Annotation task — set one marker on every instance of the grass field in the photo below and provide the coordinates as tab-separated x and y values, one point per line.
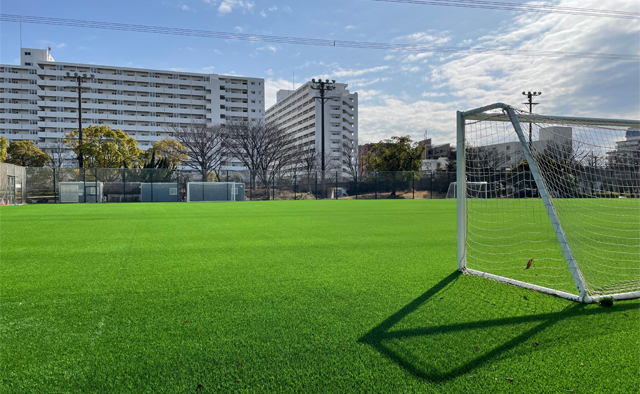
301	296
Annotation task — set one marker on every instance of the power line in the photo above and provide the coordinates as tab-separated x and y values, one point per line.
307	41
497	5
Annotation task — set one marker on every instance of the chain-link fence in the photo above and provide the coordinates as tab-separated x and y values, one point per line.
109	185
12	184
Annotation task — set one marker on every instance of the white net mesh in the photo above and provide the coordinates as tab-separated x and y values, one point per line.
592	175
474	190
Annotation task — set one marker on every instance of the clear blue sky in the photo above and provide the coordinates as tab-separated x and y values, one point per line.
400	93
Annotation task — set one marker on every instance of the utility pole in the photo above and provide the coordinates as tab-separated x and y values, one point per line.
80	79
531	104
323	87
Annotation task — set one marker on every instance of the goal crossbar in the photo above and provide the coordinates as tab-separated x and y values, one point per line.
509	114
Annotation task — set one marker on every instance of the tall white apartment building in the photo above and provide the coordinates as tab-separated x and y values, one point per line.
299	113
39	100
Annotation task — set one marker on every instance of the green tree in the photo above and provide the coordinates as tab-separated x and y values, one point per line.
103	147
173	152
396	155
26	154
3	148
451	165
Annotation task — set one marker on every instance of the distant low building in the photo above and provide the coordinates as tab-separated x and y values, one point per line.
434	164
433	152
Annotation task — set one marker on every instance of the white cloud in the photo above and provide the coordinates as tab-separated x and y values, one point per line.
271	87
570	86
288	9
273	8
227	6
263	14
269	72
184	7
208	69
363	82
342	73
270	48
349	27
238	29
426	38
61	45
433	94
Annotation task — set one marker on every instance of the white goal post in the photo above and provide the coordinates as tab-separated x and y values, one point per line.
474	190
561	213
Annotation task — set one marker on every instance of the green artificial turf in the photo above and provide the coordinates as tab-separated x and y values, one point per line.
284	296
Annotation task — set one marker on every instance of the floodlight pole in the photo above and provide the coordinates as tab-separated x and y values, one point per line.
323	87
531	104
80	79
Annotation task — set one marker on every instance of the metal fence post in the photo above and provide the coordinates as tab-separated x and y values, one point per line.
316	185
124	185
227	176
152	174
356	184
413	184
84	185
335	192
273	183
55	195
376	184
295	185
177	173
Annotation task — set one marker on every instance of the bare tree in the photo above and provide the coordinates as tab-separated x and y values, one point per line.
309	161
350	159
263	148
58	153
205	144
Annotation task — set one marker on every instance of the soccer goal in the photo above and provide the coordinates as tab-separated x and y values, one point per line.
213	191
561	212
474	190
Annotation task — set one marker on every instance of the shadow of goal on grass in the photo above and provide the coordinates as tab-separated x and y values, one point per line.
382	333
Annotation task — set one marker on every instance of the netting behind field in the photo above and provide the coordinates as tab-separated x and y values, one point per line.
591	173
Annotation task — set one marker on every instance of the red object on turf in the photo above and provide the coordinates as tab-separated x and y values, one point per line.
529	264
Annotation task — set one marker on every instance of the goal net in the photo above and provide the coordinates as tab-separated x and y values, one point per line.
211	191
562	208
474	190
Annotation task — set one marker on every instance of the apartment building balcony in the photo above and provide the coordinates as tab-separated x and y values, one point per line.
19	85
17	96
20	136
50	134
55	104
56	125
16	75
236	94
47	82
18	126
19	106
53	73
22	116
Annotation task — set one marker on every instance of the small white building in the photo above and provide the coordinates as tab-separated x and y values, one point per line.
298	112
39	101
512	153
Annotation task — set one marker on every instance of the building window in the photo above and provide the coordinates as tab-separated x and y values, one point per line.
28	64
27	53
